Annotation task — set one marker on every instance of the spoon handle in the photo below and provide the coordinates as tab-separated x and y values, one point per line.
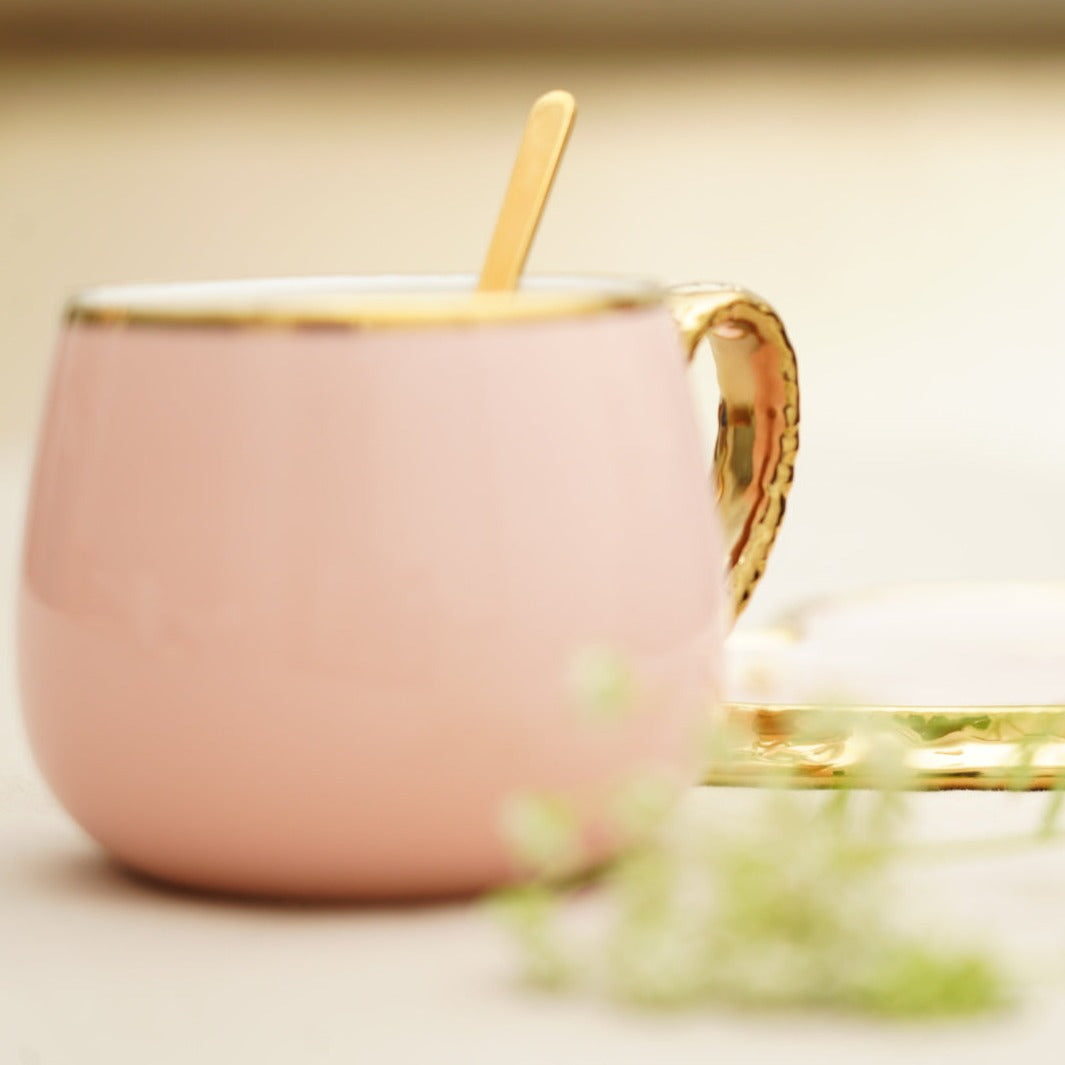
547	130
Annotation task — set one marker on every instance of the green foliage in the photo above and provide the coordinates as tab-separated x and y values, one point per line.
791	908
913	980
1052	811
601	684
530	913
787	906
542	833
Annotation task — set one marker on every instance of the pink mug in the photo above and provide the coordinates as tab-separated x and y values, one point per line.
307	563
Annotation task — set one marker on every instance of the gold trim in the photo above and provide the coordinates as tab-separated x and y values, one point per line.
938	747
413	302
758	420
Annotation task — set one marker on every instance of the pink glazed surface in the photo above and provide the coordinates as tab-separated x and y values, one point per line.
298	606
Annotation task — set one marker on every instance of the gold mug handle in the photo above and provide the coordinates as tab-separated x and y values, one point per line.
758	419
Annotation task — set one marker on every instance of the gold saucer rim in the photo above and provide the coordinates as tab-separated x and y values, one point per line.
1001	747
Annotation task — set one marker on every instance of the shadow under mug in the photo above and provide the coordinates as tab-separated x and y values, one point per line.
308	564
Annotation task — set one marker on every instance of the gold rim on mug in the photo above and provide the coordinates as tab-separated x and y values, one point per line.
355	302
993	746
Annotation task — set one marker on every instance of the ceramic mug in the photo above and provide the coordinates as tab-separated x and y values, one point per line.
307	563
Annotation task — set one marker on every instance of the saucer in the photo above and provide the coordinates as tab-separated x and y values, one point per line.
965	682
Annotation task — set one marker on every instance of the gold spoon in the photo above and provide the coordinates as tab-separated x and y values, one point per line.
547	130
